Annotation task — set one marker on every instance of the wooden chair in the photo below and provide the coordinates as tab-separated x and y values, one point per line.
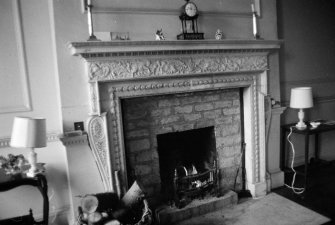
40	182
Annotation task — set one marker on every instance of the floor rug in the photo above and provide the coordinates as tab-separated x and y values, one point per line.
272	209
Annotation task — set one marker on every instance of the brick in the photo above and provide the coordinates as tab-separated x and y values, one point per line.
192	117
230	151
129	125
230	94
183	127
184	109
224	120
139	145
169	119
137	133
226	162
212	114
204	123
203	107
230	129
142	123
237	118
161	112
136	114
144	156
222	104
154	154
191	100
211	98
141	170
155	167
163	130
236	102
132	159
168	102
231	111
229	140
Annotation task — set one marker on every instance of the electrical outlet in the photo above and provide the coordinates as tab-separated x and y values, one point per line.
79	126
274	102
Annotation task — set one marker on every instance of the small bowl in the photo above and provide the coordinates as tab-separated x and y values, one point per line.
315	124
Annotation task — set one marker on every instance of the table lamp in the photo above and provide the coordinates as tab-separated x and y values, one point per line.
29	133
301	98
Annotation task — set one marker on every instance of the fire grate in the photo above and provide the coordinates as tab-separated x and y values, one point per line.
195	185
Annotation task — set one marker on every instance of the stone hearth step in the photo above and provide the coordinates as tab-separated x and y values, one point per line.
167	215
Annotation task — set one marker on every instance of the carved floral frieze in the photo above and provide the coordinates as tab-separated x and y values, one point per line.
157	67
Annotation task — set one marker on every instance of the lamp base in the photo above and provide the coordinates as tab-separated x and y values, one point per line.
32	158
301	126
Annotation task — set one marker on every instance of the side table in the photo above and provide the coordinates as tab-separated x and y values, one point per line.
39	181
285	129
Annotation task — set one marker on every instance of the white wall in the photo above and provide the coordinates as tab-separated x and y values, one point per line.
28	68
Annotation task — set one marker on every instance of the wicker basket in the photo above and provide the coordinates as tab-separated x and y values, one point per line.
133	216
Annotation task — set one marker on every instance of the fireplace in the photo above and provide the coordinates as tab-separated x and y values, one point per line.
141	74
166	135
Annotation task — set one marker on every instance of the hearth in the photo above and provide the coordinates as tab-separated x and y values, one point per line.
121	72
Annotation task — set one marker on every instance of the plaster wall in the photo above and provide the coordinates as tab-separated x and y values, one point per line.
30	87
307	60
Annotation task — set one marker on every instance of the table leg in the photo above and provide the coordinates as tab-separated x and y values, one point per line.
283	149
316	147
306	159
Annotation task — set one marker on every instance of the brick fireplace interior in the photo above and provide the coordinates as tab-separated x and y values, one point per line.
172	132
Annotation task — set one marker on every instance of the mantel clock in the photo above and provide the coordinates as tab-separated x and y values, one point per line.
189	22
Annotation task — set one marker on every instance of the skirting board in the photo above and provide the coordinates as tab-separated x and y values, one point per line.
277	179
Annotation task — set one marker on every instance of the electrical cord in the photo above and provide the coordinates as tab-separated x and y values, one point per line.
294	189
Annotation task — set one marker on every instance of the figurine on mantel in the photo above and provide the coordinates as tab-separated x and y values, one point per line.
160	35
218	34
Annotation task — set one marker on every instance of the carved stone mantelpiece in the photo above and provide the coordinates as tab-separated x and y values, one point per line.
175	66
128	69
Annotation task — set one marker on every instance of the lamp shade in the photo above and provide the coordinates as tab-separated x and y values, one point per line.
28	132
301	98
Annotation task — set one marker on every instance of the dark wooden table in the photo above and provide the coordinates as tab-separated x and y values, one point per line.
39	181
285	130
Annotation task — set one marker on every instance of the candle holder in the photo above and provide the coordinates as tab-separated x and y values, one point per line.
254	26
254	22
89	7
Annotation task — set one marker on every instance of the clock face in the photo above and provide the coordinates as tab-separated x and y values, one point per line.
191	9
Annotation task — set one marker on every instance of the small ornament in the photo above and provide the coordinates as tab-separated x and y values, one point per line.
14	164
218	34
160	35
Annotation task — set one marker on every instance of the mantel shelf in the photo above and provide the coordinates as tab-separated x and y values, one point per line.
103	47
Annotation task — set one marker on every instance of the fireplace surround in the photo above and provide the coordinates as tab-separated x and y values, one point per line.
132	69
